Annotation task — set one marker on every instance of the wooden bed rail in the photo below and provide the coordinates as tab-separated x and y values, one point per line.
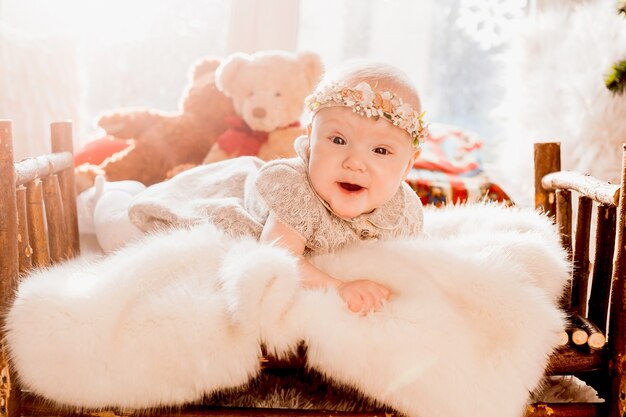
38	224
597	291
42	166
41	194
593	188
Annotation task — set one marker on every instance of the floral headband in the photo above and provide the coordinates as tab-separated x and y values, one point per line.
364	100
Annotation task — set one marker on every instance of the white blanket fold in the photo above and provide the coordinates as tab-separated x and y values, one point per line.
183	313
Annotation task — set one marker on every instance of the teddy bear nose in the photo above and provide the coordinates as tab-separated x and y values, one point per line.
258	112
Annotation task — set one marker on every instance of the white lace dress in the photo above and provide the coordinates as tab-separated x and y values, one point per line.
238	194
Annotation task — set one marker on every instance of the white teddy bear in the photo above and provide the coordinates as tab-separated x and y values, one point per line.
267	89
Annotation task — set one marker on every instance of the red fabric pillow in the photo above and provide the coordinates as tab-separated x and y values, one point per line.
449	170
98	150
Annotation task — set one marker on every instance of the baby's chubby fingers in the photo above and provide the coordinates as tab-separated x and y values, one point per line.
354	303
384	291
364	296
379	301
370	301
379	294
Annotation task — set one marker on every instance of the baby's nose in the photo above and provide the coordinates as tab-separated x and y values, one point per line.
259	112
353	162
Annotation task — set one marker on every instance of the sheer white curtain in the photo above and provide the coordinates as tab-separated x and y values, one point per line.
38	84
73	59
260	25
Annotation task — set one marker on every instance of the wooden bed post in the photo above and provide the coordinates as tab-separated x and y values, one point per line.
556	204
617	326
547	160
38	237
580	257
61	137
564	218
23	241
9	262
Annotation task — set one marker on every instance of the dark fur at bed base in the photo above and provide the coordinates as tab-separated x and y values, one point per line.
276	388
309	390
304	389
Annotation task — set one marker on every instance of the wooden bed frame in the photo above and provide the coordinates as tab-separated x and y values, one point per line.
38	227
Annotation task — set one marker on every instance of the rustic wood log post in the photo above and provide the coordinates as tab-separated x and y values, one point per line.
547	160
9	263
594	336
25	251
564	223
579	336
55	219
580	257
36	224
564	218
596	339
61	138
602	266
617	324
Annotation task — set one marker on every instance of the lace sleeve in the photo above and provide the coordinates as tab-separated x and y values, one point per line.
413	212
288	195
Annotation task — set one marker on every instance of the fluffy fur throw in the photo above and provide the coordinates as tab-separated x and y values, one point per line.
182	314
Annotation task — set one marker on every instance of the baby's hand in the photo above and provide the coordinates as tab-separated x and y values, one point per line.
363	296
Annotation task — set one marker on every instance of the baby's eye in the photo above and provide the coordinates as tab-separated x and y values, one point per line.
382	151
337	140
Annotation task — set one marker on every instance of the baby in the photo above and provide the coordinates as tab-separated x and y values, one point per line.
347	184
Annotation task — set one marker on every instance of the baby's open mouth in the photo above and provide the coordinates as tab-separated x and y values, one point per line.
350	187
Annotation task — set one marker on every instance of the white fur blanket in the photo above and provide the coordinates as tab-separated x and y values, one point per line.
468	331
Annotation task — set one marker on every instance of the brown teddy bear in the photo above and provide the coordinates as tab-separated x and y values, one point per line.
160	142
268	89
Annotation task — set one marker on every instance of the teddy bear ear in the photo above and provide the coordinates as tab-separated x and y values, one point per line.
205	66
313	67
227	72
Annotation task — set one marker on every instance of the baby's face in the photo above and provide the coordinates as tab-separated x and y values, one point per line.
356	164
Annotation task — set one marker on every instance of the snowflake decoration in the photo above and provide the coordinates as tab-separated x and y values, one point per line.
490	23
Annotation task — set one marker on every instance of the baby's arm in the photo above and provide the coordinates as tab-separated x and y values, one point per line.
360	295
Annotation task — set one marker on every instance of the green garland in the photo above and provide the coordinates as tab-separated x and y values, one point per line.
616	79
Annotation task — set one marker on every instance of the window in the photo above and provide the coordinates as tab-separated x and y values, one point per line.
451	49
